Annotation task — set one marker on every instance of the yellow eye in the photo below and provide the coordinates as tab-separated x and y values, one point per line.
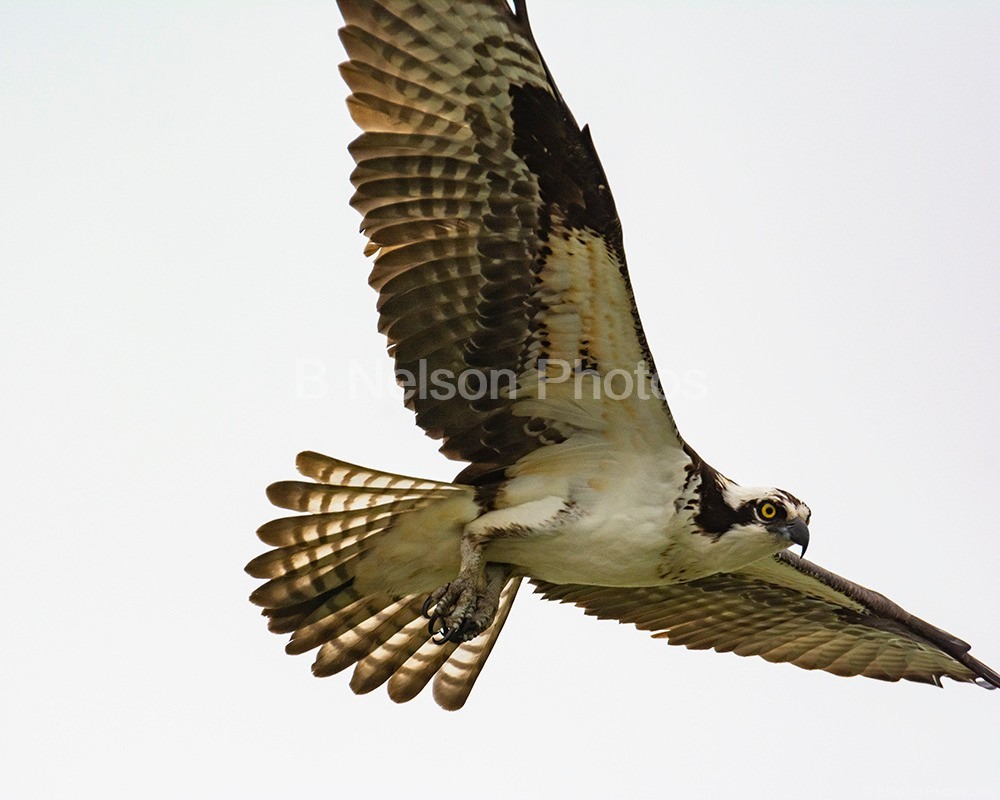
767	511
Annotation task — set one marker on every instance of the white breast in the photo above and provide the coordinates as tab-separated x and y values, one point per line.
623	520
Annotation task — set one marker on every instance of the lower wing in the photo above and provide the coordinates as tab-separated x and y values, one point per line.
786	609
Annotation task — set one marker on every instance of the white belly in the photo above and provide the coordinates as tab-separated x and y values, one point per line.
599	508
624	554
614	535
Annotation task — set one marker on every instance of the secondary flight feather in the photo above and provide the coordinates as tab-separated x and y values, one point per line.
506	302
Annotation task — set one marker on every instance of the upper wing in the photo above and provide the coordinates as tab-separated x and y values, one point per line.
498	250
787	609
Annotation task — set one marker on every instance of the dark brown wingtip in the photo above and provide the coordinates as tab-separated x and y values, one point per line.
946	642
985	677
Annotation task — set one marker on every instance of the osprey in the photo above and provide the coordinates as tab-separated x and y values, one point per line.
505	299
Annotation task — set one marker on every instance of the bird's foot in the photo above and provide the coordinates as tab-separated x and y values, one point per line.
458	611
464	608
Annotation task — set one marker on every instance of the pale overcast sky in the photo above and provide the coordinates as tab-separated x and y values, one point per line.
810	194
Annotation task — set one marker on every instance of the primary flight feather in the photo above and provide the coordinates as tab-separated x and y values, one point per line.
506	302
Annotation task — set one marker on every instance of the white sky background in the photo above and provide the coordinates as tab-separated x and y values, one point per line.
811	200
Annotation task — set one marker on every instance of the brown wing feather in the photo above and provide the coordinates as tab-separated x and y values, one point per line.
788	609
495	233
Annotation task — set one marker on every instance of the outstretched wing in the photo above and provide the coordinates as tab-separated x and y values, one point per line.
788	609
498	250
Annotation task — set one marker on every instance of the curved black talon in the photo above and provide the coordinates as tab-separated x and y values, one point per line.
464	632
443	632
425	610
445	635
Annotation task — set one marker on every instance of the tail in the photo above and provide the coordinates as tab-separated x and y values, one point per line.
350	577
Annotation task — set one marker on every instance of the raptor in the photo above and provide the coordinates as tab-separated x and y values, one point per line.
506	302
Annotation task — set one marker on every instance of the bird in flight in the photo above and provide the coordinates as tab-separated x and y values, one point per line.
506	302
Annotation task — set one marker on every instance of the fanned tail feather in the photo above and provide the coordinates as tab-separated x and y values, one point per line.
351	575
458	674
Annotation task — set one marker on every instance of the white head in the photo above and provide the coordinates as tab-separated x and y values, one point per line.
747	523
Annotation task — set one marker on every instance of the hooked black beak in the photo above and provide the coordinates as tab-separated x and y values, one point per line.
798	532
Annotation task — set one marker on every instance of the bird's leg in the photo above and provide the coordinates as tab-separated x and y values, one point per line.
464	608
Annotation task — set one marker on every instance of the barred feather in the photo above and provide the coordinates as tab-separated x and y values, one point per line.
367	527
786	609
